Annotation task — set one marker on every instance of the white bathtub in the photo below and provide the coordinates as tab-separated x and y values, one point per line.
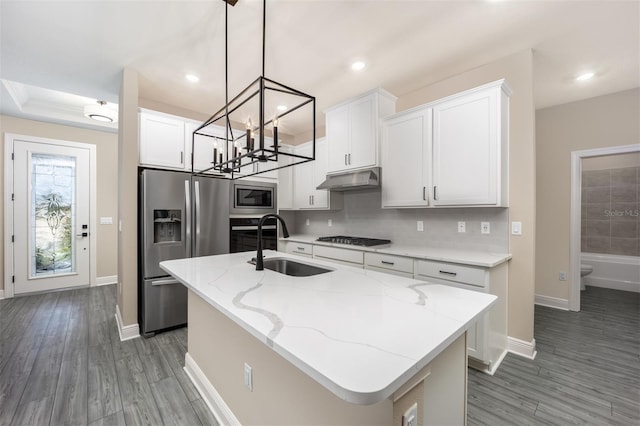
613	271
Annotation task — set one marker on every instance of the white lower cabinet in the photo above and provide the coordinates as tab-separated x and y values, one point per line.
487	339
293	247
339	255
390	264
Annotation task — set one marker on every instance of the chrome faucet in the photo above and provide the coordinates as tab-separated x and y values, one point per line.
285	234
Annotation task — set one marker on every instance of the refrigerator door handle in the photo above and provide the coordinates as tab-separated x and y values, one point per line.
187	204
196	237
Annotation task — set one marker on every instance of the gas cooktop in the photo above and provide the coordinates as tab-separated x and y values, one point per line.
354	241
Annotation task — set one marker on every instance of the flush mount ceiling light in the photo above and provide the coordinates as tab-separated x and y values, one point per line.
585	76
192	78
358	66
258	110
101	112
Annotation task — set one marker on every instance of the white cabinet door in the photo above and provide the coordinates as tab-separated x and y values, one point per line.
465	150
406	159
309	175
285	180
202	147
363	150
303	179
352	130
162	141
338	138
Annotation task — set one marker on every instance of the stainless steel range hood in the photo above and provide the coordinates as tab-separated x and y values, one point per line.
361	179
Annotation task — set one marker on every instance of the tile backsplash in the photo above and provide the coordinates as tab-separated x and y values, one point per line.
610	216
362	216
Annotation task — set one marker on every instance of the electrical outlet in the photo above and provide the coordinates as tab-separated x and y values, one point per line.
410	417
329	222
462	226
420	226
308	222
485	227
562	276
248	376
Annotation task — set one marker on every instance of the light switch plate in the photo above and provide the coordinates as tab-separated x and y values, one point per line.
329	222
420	226
516	228
308	222
462	226
106	220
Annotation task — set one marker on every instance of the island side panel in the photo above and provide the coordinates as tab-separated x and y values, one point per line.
282	394
441	396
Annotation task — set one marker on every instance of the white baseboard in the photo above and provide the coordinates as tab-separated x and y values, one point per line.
209	394
111	279
127	332
552	302
1	294
522	347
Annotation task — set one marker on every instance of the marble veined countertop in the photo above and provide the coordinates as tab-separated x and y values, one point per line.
463	256
360	333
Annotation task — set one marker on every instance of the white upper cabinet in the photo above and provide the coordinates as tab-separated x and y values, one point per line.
307	176
451	152
406	159
285	180
202	146
162	141
470	147
353	130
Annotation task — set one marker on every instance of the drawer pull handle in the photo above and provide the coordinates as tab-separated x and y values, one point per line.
453	274
301	248
385	262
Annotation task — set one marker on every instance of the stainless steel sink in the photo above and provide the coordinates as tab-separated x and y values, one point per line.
292	267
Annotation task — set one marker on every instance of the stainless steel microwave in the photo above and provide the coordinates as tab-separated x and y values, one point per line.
252	197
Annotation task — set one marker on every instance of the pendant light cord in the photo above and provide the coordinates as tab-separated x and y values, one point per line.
264	31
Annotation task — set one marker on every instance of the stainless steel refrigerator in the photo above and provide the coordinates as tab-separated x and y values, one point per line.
180	216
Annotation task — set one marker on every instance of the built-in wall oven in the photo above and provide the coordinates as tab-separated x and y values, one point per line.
243	233
252	198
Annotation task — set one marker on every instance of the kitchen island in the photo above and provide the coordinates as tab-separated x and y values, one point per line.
349	346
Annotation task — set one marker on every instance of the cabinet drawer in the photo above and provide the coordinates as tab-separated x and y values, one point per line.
299	248
452	272
386	261
346	255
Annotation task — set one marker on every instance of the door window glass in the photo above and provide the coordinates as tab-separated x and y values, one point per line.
52	214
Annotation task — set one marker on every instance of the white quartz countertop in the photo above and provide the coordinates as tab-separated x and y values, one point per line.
361	334
467	257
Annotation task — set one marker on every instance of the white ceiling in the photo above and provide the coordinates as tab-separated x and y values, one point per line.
81	47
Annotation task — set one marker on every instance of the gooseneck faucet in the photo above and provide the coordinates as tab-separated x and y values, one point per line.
285	234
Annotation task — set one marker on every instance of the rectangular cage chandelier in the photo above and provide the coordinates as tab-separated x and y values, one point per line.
241	138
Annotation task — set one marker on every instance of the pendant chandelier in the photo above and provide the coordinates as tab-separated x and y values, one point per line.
242	136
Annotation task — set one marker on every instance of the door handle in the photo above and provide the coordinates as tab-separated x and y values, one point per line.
187	208
83	234
345	159
196	196
349	158
165	282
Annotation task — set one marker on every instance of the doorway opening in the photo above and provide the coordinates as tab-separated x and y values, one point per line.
576	212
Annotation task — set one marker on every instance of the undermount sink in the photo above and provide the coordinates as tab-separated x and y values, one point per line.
292	267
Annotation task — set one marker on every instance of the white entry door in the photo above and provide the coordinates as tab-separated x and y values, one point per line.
51	215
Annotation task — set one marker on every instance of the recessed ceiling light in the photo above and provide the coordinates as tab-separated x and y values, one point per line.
192	78
282	108
585	76
358	66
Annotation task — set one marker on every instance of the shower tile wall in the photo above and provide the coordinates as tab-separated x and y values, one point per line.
610	216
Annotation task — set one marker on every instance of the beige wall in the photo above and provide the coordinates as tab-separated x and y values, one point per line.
518	70
128	198
106	186
604	121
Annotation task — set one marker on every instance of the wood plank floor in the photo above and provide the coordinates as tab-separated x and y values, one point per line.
587	370
62	363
